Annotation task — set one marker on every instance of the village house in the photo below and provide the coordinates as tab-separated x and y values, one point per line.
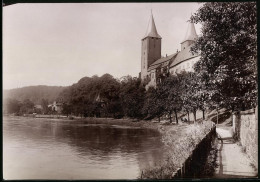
56	106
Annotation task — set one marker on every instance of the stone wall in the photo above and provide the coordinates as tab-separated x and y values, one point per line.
193	165
245	127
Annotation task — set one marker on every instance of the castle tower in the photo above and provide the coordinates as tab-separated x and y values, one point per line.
190	36
151	48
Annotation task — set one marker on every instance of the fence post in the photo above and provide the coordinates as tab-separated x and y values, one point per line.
236	124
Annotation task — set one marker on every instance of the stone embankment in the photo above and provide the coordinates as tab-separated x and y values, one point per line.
193	165
186	151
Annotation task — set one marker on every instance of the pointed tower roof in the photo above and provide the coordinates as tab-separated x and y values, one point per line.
191	32
151	30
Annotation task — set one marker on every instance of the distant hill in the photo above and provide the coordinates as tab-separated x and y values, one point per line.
34	93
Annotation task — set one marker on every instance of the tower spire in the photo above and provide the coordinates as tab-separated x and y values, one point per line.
191	32
152	31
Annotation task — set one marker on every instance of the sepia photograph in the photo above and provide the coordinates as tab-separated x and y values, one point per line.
129	91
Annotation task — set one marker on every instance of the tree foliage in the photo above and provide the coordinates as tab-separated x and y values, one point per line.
44	104
228	52
34	93
82	96
171	95
132	95
153	104
13	106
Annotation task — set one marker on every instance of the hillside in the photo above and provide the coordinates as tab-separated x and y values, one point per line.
34	93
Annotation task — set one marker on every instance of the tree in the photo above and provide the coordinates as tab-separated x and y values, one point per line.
11	106
197	93
171	95
109	95
186	94
228	52
153	104
82	96
44	104
132	94
66	109
27	107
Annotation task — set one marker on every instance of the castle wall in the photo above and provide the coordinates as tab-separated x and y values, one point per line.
184	66
245	127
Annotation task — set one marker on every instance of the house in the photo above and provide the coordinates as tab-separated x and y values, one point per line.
56	106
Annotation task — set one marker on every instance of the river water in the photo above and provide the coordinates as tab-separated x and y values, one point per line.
60	149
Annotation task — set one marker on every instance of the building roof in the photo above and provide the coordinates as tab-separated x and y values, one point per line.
152	67
163	59
152	31
161	62
38	106
191	33
183	55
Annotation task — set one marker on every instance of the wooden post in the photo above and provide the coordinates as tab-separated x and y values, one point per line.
217	115
184	168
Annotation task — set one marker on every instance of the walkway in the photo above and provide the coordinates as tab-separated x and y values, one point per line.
233	163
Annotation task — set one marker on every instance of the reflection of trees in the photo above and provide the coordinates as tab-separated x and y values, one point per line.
103	140
99	140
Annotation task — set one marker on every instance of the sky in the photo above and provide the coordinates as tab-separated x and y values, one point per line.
58	44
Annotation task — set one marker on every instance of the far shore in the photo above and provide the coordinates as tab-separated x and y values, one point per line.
149	124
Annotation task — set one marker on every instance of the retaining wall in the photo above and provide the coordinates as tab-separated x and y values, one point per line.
192	166
245	128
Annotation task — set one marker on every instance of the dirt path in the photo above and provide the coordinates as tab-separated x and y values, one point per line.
233	163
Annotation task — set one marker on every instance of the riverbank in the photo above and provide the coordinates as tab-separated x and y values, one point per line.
149	124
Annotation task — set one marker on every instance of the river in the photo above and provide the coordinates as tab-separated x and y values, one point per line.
60	149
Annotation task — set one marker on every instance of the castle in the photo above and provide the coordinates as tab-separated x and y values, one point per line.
153	65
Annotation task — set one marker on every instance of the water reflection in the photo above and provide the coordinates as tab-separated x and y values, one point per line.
55	149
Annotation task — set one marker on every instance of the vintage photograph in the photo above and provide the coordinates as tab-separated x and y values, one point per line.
119	91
